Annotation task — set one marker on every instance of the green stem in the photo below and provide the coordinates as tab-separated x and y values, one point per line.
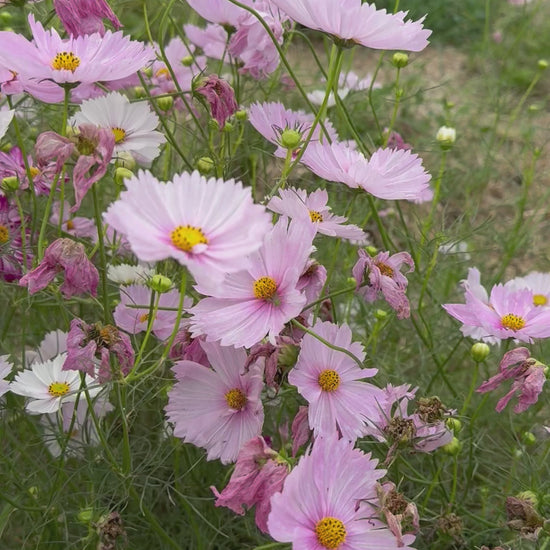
329	296
473	385
398	95
153	308
435	200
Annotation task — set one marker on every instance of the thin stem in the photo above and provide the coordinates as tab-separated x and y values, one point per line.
435	200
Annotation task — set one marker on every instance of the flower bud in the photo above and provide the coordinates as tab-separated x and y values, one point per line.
228	127
85	515
205	165
5	16
10	183
454	424
480	351
371	251
290	139
160	283
213	124
400	60
529	496
446	136
528	438
187	61
288	355
147	71
241	115
165	103
453	447
139	91
6	148
542	64
122	174
380	314
124	159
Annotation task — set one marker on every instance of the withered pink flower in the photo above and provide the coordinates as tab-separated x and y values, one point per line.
68	256
187	348
93	148
382	274
528	377
85	16
300	429
220	96
89	348
258	475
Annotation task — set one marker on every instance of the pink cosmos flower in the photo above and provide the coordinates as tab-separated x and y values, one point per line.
313	208
271	119
353	22
312	280
48	63
383	274
217	408
66	255
331	382
538	283
54	343
318	507
507	313
207	225
257	301
134	320
85	16
299	429
259	473
76	226
220	96
212	40
392	174
220	11
528	377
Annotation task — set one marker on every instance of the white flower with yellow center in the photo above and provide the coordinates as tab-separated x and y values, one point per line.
5	119
133	124
48	385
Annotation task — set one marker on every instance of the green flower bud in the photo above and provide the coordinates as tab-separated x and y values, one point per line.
446	136
6	148
139	91
147	72
380	314
479	352
453	447
85	515
241	115
213	124
400	60
122	174
542	64
454	424
291	139
205	165
371	251
160	283
529	496
124	159
187	61
228	127
528	438
165	103
5	16
288	355
10	183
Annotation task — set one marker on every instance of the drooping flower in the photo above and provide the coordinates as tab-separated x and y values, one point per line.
89	348
47	385
331	382
49	62
220	97
207	225
85	16
352	22
318	507
383	274
313	208
132	124
68	256
217	408
528	377
257	301
135	319
259	473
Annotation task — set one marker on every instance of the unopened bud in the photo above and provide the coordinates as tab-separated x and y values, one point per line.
400	60
205	165
139	91
122	174
241	115
380	314
165	103
160	283
288	355
10	183
213	124
371	251
453	447
124	159
542	64
529	496
85	515
528	438
454	424
290	139
147	72
6	148
187	61
479	352
446	136
5	16
228	127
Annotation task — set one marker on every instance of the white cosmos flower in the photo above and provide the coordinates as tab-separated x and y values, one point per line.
126	274
133	124
48	385
5	368
5	119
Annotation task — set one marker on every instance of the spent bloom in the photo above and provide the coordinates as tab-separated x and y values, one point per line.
259	473
383	274
217	408
319	507
331	382
68	256
206	225
85	16
257	301
352	22
313	208
220	97
528	377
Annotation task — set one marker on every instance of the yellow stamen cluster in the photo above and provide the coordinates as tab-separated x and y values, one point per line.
331	532
4	234
119	133
315	216
329	380
236	399
385	270
265	288
513	322
58	389
540	300
65	61
185	237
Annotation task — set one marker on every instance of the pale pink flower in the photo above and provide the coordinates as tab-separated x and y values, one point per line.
299	429
312	280
85	16
207	225
212	39
313	208
319	508
383	274
528	377
135	319
220	11
260	300
538	283
331	382
353	22
54	343
217	408
259	473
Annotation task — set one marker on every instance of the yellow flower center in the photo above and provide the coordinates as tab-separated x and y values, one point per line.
513	322
540	300
58	389
329	380
331	532
162	72
385	270
4	234
34	171
65	60
265	288
119	133
70	225
236	399
315	216
143	318
185	237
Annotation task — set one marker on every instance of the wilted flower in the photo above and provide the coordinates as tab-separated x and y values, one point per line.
220	96
85	16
